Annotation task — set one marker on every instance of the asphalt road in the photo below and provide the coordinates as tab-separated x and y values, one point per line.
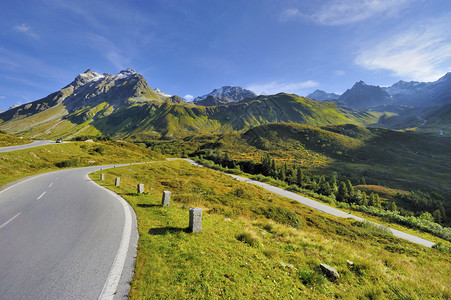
324	208
30	145
64	237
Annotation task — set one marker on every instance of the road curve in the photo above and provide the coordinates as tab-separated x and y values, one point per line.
30	145
322	207
64	237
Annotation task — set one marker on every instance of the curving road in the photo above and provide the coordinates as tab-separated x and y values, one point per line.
30	145
322	207
64	237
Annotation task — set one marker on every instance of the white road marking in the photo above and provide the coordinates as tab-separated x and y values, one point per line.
42	195
10	220
110	287
50	185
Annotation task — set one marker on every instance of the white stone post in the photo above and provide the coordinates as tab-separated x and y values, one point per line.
195	219
140	188
166	198
117	181
102	176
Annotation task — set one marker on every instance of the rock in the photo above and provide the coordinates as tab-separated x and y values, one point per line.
330	272
350	263
227	219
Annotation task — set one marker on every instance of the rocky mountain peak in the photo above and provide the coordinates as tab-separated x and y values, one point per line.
87	76
320	95
224	95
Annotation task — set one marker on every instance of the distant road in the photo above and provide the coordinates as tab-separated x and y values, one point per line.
30	145
64	237
323	208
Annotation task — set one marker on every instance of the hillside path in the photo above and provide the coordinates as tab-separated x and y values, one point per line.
323	207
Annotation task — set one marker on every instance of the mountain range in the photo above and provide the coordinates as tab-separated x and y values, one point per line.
412	93
124	105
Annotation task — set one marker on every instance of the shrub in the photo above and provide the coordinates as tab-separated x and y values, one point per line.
70	163
249	238
281	215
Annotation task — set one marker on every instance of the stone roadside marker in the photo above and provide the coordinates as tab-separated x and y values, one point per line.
166	198
102	176
117	181
140	188
195	219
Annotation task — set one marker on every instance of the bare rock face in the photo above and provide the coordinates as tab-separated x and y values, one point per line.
330	272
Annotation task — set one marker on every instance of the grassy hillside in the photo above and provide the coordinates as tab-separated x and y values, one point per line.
378	159
257	245
12	140
18	164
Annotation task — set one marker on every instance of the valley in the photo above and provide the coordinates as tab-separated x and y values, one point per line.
383	159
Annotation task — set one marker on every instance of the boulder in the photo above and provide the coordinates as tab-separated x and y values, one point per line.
330	272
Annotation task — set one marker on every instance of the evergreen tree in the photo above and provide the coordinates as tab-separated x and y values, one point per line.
363	180
299	177
364	199
272	170
437	216
282	175
371	200
350	188
442	211
392	206
342	194
376	201
325	188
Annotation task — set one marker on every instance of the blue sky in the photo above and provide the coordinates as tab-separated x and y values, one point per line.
190	47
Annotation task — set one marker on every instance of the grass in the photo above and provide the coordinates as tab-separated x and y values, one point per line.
246	252
22	163
7	140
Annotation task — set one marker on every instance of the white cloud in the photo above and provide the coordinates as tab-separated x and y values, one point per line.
341	12
109	50
275	87
2	97
24	28
188	97
339	73
422	53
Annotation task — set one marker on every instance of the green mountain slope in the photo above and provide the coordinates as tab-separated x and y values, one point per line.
139	113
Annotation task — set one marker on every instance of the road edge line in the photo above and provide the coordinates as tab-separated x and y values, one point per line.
110	287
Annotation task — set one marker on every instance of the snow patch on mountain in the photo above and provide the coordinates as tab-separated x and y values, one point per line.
161	93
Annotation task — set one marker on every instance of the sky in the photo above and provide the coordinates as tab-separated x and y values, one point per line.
190	47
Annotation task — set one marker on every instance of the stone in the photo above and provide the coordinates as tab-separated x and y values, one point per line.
166	198
140	188
117	181
330	272
195	219
350	264
102	176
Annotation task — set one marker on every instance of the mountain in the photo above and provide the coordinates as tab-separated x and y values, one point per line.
88	97
363	96
423	94
319	95
224	95
413	93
